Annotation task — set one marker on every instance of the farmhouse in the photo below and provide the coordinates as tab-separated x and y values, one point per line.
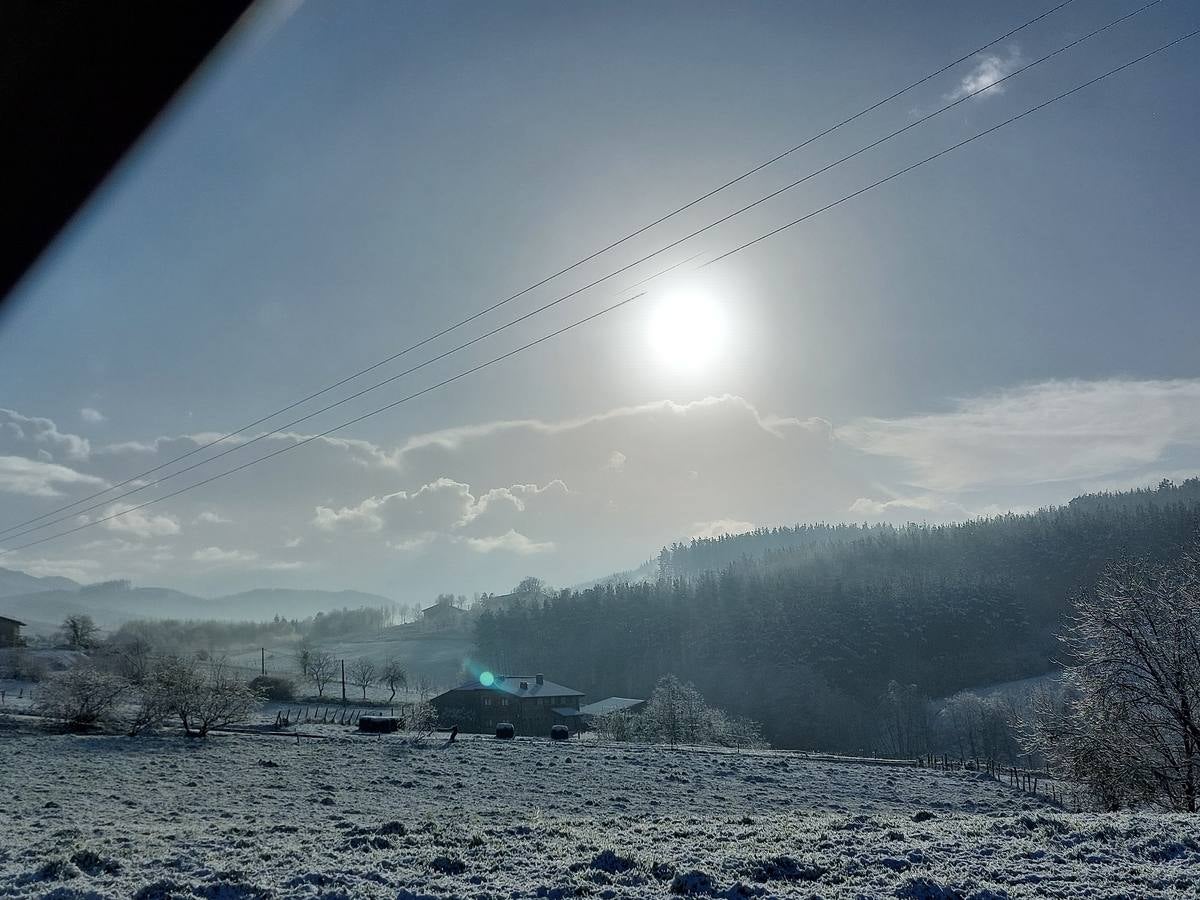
10	632
530	702
444	615
496	603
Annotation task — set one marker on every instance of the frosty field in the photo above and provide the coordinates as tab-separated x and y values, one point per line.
239	816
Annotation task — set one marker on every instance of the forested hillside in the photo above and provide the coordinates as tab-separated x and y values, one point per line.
803	628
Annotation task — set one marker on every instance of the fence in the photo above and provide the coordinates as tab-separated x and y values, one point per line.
1032	781
329	714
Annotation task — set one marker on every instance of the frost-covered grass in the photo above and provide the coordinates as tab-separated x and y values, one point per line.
358	816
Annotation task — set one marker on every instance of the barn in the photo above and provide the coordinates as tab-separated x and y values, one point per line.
10	632
530	702
611	705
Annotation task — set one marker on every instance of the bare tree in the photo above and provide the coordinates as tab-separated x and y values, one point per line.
1129	726
79	631
394	676
304	656
363	674
322	668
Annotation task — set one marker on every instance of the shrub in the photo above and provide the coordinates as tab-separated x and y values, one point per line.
274	687
81	697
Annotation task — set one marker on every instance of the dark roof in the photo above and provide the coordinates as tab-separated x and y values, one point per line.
14	621
567	712
445	606
611	704
511	684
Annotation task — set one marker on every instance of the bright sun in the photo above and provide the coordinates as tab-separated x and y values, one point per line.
687	330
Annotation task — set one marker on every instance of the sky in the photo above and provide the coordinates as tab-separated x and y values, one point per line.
1004	328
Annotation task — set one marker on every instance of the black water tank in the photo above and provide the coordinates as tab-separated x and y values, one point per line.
505	731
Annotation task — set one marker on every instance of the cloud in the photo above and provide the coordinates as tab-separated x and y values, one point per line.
510	542
616	461
24	434
987	71
38	478
91	416
219	556
1055	431
139	523
208	517
718	527
444	508
454	438
865	506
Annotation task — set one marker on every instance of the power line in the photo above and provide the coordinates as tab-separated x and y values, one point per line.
424	341
282	428
32	527
617	305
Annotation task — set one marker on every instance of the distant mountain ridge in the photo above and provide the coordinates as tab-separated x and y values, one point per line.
13	582
44	602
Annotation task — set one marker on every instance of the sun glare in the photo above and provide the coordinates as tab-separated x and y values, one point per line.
687	330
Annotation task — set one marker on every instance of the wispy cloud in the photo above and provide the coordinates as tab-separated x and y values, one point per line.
1048	432
718	527
987	71
92	416
511	542
219	556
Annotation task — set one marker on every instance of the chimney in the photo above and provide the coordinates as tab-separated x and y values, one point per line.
541	679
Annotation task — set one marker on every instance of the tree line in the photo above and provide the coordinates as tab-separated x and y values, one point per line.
807	636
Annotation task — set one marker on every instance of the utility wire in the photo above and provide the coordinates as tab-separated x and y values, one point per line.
618	305
282	428
551	277
670	246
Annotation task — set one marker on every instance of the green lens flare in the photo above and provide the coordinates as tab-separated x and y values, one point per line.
487	679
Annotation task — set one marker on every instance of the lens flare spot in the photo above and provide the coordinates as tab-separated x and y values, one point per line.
487	679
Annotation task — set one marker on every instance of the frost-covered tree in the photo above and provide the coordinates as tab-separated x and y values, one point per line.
978	728
204	696
1129	725
79	632
81	697
422	719
617	725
